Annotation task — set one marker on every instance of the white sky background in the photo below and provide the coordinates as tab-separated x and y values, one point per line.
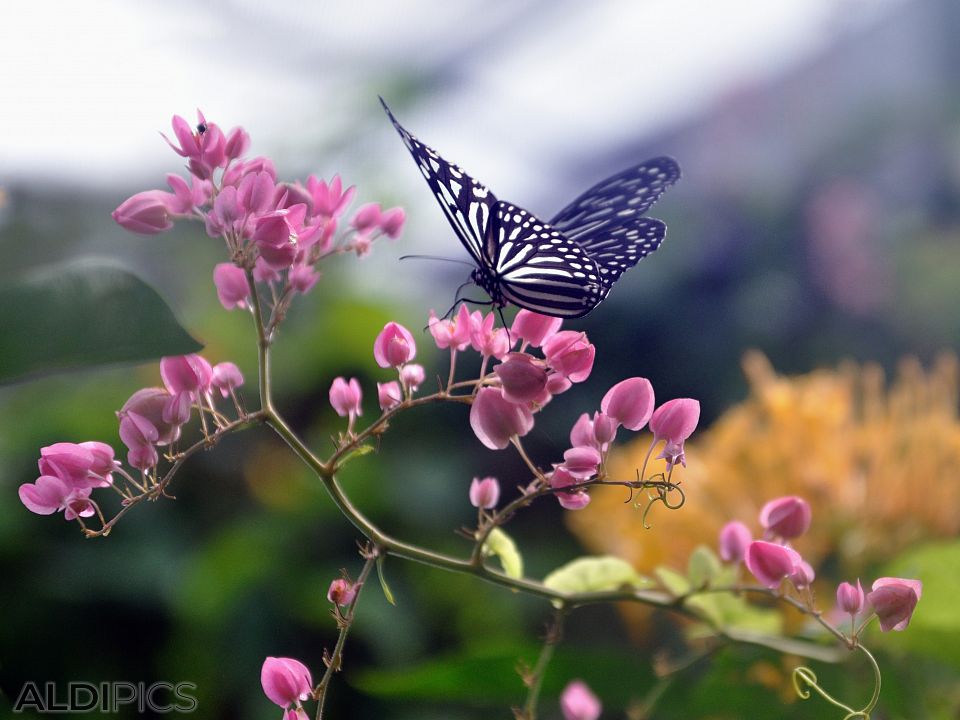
84	86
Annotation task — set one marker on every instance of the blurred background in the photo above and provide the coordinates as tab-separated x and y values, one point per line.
815	233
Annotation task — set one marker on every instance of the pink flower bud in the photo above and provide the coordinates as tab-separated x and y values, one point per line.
394	346
573	500
484	493
391	222
285	681
534	328
675	420
786	517
894	600
276	240
581	462
581	434
186	373
226	378
342	592
570	354
735	537
238	141
850	597
346	397
367	217
136	431
143	457
328	200
103	462
454	333
412	376
802	575
630	402
148	404
495	419
177	409
231	283
771	563
302	278
147	213
486	339
256	192
389	395
557	384
521	377
577	702
262	272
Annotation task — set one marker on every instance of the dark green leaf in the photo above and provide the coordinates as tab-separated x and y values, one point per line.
387	592
83	314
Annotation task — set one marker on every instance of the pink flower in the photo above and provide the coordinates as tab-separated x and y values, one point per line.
256	192
367	217
578	702
629	402
147	212
345	397
570	354
329	201
521	377
675	420
850	597
495	420
389	395
70	462
894	600
45	496
786	517
143	457
735	537
412	376
453	333
136	431
394	346
226	378
802	575
232	288
674	454
262	272
177	409
771	563
581	462
276	238
534	328
285	681
302	278
238	141
391	222
485	338
484	493
575	499
103	462
204	149
186	373
342	592
596	432
148	405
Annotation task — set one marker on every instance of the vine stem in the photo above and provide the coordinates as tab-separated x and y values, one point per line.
550	642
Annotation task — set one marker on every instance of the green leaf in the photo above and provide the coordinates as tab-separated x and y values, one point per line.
595	574
387	592
674	582
502	545
703	567
83	314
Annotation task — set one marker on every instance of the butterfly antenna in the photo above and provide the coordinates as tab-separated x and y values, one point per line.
504	322
434	257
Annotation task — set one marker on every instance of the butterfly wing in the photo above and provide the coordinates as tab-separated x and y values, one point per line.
538	268
468	205
606	221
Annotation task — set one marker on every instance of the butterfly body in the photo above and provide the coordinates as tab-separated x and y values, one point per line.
563	268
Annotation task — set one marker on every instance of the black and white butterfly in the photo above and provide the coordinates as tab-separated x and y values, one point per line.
563	268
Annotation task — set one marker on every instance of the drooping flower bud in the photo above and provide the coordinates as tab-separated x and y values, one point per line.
630	402
484	493
735	537
894	600
786	517
394	346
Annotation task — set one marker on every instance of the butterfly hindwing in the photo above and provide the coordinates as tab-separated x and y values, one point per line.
606	221
538	268
468	205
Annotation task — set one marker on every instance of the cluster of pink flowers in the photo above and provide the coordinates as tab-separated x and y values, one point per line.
772	560
277	230
151	418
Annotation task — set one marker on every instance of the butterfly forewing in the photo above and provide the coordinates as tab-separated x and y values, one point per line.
538	268
468	205
606	221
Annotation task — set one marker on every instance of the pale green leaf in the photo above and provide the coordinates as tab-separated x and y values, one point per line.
595	574
502	545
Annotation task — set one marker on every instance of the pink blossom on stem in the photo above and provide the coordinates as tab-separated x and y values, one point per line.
70	462
391	222
577	702
675	420
367	217
262	272
534	328
522	378
495	420
630	402
302	278
771	563
412	376
674	454
394	346
148	404
238	142
186	373
802	575
103	464
894	600
45	496
143	457
581	462
331	200
136	431
342	592
581	434
484	493
177	409
285	681
735	538
850	598
226	378
389	395
231	283
486	339
276	239
345	397
786	517
570	354
147	212
574	499
255	193
453	333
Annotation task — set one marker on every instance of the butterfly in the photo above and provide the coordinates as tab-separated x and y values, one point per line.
563	268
